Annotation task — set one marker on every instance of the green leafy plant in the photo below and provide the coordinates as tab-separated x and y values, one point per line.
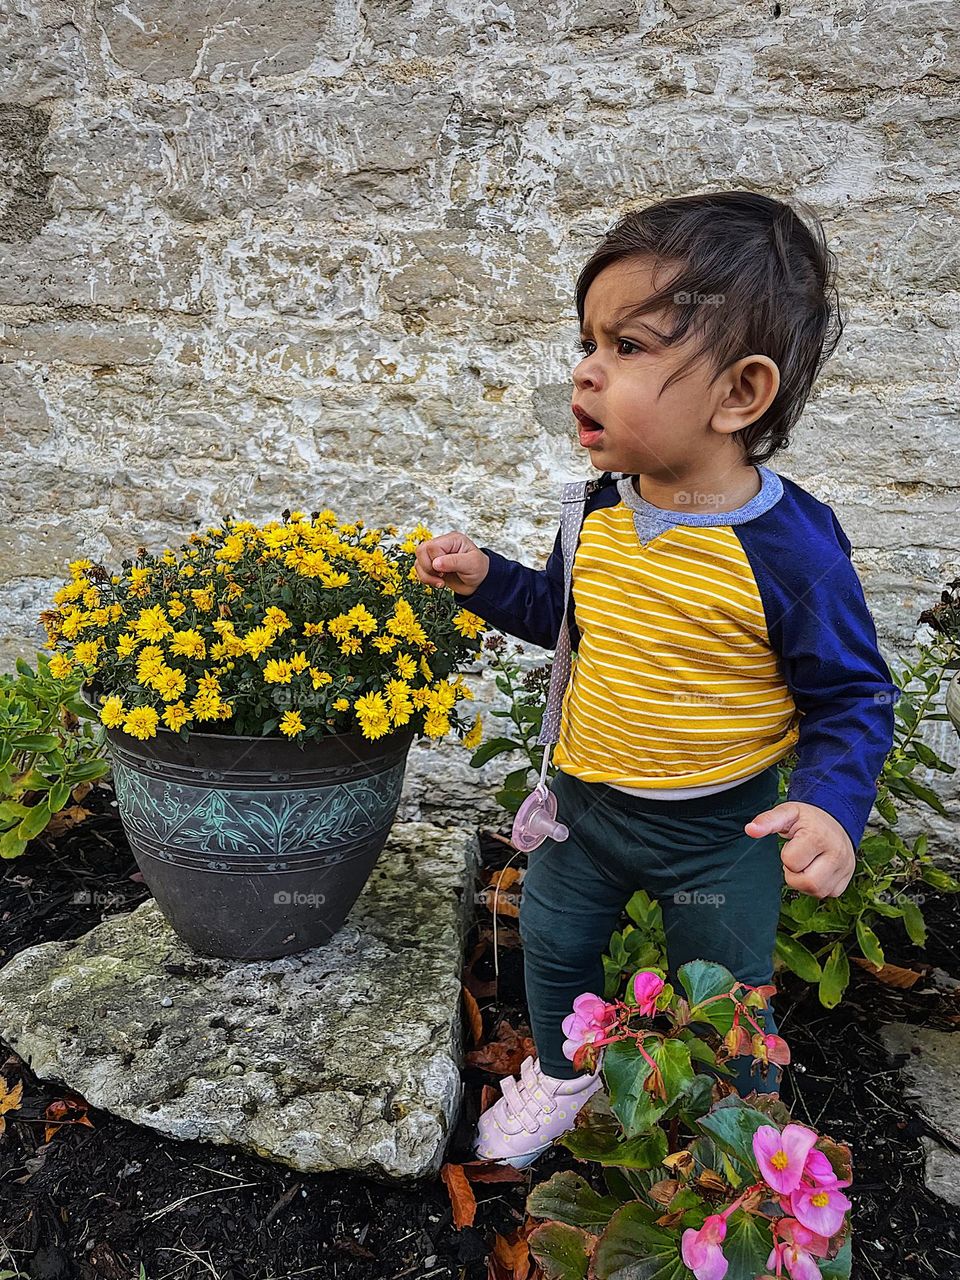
698	1180
526	695
50	744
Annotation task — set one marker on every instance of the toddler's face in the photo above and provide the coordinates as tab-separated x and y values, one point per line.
618	384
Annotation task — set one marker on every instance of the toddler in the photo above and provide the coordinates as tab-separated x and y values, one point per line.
716	620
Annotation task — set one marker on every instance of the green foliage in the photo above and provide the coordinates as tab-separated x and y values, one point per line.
527	696
50	743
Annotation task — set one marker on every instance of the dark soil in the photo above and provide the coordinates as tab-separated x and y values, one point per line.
102	1201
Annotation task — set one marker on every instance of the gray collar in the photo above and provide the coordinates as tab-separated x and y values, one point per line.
651	521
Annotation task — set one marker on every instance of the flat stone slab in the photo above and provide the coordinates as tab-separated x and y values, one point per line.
346	1056
932	1074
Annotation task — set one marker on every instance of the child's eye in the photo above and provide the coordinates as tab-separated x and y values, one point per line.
582	343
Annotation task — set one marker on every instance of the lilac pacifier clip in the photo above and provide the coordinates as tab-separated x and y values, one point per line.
536	819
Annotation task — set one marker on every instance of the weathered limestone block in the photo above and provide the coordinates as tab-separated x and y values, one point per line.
345	1056
931	1067
200	39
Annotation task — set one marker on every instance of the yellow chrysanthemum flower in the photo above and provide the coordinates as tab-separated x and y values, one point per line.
292	724
188	644
126	644
342	704
474	736
152	624
406	665
277	619
170	683
320	678
176	716
435	724
60	666
141	722
278	671
468	624
299	662
113	712
255	642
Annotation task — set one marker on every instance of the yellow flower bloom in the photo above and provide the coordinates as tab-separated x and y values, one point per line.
406	665
320	678
277	619
170	683
435	724
176	608
474	736
352	644
141	722
152	624
278	672
60	666
292	724
342	704
188	644
202	598
206	705
362	619
468	624
149	663
86	651
112	712
299	662
384	644
176	716
126	644
258	640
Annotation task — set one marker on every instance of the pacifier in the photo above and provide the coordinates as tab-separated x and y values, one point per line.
536	818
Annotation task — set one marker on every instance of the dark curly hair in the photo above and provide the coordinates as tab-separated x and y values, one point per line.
754	279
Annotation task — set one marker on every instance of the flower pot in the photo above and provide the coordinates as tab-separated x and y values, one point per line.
952	701
256	847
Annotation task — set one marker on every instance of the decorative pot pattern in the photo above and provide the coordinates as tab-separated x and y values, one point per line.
257	847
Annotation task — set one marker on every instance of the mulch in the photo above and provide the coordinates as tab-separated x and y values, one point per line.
86	1194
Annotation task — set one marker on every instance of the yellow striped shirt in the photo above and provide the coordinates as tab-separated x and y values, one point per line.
675	683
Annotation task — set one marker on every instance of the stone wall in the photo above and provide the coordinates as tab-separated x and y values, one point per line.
260	256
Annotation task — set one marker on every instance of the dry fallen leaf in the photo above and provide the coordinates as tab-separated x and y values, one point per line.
10	1099
509	1259
474	1016
891	975
65	1111
66	818
503	1055
462	1199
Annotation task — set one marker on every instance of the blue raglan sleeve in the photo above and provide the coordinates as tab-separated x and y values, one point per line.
820	625
526	603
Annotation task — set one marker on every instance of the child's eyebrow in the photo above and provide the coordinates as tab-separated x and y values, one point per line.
627	315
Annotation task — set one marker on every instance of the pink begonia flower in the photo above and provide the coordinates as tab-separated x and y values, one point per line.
781	1156
701	1250
797	1250
588	1022
646	987
803	1237
820	1207
819	1169
800	1264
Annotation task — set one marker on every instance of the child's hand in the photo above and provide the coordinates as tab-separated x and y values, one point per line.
452	560
818	857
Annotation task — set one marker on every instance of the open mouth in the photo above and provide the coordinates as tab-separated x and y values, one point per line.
590	431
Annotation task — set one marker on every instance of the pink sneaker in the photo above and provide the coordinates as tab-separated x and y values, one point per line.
528	1117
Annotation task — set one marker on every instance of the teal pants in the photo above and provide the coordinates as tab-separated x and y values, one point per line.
719	890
